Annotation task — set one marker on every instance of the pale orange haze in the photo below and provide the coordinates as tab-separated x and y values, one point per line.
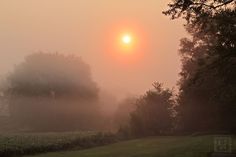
93	29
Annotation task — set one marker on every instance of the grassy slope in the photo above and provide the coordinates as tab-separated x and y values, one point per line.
148	147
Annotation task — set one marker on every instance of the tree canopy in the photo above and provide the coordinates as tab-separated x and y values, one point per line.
208	77
52	92
153	114
189	9
46	74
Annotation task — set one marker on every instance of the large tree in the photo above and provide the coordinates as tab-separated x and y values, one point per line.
52	92
207	98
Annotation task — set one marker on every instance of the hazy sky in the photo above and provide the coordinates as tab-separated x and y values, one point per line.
89	28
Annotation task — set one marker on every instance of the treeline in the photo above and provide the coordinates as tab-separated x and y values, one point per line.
54	92
206	100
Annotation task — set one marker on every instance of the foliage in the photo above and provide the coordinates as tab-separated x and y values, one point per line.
52	92
195	9
208	79
32	143
153	115
52	74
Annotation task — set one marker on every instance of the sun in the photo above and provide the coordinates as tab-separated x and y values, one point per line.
127	43
126	39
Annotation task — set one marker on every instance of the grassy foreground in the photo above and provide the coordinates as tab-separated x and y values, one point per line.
185	146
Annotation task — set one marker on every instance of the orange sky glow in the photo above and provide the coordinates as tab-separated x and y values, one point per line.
94	30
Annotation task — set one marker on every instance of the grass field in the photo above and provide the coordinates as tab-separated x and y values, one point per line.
181	146
33	143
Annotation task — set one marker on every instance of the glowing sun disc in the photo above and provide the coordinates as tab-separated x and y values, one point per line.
126	39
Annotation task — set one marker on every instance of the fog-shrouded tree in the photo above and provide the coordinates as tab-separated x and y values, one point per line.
153	114
53	92
207	97
122	113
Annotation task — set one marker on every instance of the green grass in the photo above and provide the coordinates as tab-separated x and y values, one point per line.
181	146
32	143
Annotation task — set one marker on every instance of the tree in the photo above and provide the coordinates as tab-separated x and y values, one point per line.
153	115
208	79
122	114
52	92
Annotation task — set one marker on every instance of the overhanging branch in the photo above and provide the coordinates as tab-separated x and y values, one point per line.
214	7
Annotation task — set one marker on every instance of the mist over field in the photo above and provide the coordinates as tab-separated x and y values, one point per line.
55	92
111	72
140	78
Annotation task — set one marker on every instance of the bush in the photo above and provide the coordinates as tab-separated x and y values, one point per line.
23	144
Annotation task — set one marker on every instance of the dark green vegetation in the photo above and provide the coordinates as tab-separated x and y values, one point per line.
32	143
182	146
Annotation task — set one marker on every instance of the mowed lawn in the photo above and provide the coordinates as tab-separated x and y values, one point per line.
181	146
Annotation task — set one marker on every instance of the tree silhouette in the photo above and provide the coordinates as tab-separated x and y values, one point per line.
208	81
153	115
52	92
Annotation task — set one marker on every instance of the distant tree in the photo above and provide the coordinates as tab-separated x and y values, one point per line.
122	114
153	115
207	98
52	92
